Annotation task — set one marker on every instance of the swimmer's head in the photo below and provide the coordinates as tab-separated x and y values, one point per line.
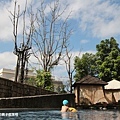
65	102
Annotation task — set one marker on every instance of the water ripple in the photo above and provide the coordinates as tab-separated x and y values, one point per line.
56	115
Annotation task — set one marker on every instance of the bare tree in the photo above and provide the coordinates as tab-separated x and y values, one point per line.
22	47
51	35
68	63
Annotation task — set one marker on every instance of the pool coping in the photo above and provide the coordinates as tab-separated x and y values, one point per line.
25	109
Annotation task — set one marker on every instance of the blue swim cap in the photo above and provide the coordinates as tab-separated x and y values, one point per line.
65	102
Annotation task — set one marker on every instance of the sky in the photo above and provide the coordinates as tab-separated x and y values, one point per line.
91	20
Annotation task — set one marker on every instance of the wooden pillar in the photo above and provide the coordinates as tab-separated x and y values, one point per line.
78	94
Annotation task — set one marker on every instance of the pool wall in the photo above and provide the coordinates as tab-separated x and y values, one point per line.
38	101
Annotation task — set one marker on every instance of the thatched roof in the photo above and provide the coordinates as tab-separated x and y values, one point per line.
90	80
113	84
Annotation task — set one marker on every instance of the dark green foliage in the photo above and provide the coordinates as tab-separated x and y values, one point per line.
43	80
85	66
108	63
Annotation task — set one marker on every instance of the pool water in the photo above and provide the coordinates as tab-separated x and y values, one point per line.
56	115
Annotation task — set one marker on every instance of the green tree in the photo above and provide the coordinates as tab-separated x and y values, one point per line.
43	79
108	59
85	66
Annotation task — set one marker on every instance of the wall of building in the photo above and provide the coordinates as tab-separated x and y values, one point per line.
90	94
112	96
39	101
10	74
10	88
58	85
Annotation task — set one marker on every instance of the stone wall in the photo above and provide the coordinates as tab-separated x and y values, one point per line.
38	101
10	88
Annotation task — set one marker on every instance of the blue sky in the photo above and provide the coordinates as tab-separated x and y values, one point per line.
92	21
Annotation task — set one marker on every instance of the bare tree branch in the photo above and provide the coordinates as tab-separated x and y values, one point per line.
23	51
51	35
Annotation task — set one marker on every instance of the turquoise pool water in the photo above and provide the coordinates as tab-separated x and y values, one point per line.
56	115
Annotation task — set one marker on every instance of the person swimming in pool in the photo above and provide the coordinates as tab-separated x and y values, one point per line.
68	112
65	107
65	110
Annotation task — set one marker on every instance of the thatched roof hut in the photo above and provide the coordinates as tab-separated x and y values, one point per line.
90	80
89	88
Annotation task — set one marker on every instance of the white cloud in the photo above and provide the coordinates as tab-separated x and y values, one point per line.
7	60
99	18
6	27
84	41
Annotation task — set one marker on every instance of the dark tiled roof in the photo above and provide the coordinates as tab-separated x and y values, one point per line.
89	80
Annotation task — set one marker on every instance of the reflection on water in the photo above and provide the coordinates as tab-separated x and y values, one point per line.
56	115
99	115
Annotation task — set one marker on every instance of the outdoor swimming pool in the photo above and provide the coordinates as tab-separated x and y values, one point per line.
56	115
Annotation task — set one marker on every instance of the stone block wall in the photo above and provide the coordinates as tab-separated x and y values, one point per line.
10	88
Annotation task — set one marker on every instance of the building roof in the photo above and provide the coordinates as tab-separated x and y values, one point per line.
90	80
113	84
